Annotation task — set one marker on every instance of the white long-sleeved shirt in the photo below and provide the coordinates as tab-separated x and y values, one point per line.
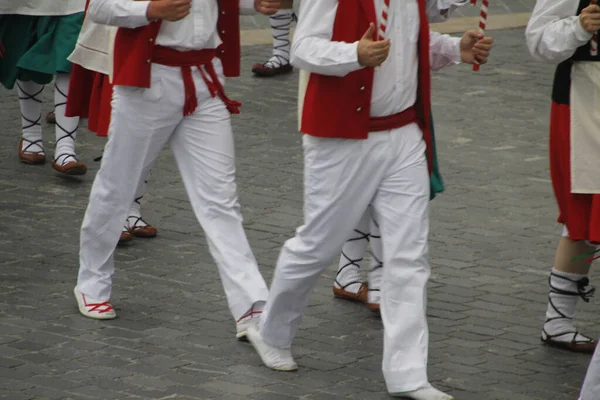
196	31
554	32
396	81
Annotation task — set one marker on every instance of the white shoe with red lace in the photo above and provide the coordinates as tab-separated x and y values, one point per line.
251	318
95	309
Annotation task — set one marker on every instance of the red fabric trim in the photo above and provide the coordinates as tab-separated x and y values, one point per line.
579	212
408	116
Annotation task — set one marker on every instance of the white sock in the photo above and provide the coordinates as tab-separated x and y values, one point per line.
565	291
348	274
31	115
428	393
134	219
376	268
281	23
66	127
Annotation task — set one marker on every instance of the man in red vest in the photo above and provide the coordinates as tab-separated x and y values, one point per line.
366	122
170	60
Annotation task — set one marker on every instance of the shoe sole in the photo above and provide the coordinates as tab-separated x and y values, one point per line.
83	312
242	336
585	349
262	74
75	171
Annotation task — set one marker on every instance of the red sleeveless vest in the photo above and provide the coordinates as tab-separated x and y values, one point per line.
340	107
134	48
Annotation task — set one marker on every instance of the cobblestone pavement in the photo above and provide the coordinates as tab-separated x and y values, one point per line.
492	237
496	7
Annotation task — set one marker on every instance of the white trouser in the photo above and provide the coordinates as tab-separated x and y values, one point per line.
341	178
143	121
591	384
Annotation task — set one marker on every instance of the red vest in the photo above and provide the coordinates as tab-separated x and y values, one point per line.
340	107
134	48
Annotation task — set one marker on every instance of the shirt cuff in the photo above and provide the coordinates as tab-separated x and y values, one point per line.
138	11
455	56
353	49
247	7
581	34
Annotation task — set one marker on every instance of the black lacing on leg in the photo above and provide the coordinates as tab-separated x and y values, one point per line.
136	220
354	262
379	263
31	123
277	60
583	291
67	134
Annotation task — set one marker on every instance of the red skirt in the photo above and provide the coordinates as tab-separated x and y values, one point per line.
579	212
90	94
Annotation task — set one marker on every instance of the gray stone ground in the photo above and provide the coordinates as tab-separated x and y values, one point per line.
495	7
492	237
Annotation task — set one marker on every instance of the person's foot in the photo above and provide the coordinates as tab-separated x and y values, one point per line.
67	164
251	318
373	300
273	357
270	69
140	228
427	393
125	237
558	331
571	340
349	292
92	308
31	152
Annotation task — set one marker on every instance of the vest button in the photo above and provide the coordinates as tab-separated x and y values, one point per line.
223	32
151	40
359	109
363	88
148	61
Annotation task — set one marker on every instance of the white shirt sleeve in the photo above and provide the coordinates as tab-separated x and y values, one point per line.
122	13
444	50
247	7
554	31
312	47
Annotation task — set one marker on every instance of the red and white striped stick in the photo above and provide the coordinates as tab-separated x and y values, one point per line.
594	42
483	15
384	19
473	3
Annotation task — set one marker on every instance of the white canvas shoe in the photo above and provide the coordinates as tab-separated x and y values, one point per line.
273	357
252	318
427	393
95	309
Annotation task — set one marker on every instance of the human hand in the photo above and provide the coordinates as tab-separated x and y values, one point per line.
168	10
590	18
475	47
267	7
372	53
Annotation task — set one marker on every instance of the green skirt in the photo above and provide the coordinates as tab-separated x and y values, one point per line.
435	180
36	48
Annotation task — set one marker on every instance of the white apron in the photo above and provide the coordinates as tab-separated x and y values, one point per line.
585	127
93	50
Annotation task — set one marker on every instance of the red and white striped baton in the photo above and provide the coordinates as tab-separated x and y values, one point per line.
483	15
594	42
384	19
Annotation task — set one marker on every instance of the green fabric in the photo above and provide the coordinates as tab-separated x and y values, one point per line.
435	180
36	48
